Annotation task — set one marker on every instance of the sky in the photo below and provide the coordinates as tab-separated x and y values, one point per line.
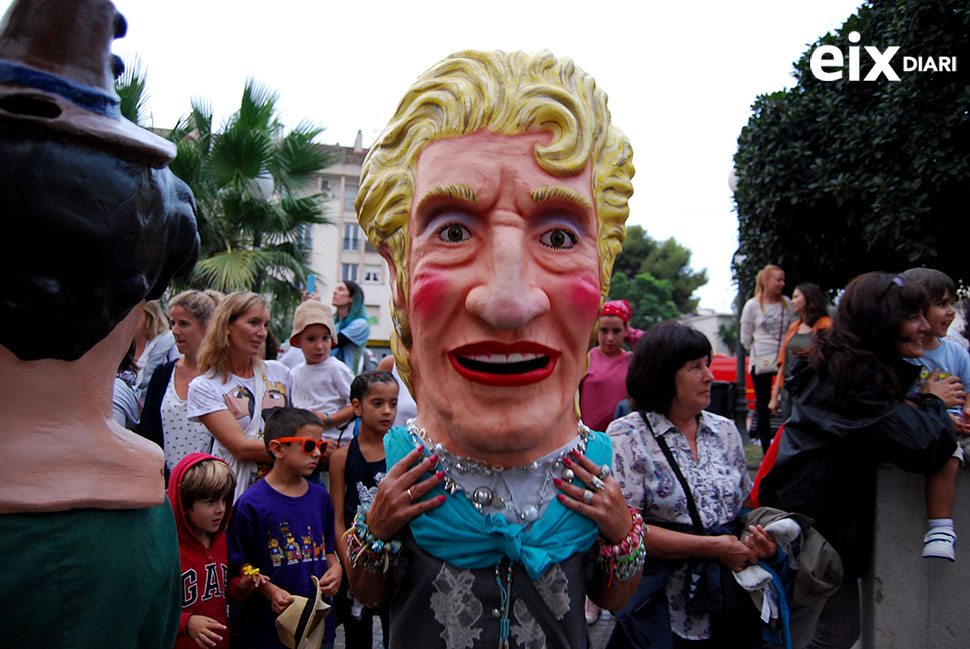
681	77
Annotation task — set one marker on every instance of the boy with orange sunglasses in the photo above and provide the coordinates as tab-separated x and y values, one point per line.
284	526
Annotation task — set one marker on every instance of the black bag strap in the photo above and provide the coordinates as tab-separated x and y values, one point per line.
695	517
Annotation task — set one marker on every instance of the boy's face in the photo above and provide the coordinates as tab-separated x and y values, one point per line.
315	341
206	514
940	315
291	454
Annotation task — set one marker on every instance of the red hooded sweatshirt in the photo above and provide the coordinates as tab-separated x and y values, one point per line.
205	570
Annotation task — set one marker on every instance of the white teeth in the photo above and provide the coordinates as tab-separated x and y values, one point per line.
502	358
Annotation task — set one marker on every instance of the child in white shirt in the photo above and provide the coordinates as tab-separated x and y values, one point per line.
322	383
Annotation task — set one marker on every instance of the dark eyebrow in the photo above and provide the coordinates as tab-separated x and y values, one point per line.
451	190
553	192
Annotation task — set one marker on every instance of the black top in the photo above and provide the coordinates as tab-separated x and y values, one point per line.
358	474
831	445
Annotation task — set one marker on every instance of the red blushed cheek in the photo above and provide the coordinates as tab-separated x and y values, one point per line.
583	294
430	293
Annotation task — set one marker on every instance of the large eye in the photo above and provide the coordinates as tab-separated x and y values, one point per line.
454	233
558	239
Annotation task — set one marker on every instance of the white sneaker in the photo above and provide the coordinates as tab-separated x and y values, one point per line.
939	543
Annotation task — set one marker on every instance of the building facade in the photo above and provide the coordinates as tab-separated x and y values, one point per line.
339	250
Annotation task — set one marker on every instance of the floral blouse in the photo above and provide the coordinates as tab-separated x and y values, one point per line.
718	479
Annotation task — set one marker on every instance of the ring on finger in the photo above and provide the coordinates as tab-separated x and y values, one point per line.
596	484
409	494
604	472
587	496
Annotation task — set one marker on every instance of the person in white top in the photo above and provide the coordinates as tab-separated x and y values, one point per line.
322	383
764	320
236	390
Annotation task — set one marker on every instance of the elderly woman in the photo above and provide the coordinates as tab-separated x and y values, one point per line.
236	389
164	418
685	469
849	414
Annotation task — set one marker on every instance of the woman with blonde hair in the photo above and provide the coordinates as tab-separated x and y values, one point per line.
164	418
764	319
154	346
235	389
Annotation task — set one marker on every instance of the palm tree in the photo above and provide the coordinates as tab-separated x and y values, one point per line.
253	189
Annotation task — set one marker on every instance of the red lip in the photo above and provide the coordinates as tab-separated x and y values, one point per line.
540	364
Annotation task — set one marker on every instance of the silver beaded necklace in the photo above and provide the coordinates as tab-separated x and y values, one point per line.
488	486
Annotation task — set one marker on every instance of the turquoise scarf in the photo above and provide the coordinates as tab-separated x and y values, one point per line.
455	532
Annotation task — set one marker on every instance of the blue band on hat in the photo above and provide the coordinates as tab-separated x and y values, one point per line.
86	97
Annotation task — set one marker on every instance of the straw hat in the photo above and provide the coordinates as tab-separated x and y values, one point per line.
308	313
57	78
301	625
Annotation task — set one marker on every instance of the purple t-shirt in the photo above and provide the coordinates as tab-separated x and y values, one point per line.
603	386
288	540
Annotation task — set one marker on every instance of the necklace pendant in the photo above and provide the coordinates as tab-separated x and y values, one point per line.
530	513
482	497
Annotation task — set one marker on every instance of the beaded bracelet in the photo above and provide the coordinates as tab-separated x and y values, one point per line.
367	551
625	559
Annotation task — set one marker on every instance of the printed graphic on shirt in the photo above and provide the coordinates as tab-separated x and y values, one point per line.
456	608
366	494
213	584
285	546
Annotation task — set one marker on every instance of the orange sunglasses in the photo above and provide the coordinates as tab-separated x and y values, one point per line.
308	444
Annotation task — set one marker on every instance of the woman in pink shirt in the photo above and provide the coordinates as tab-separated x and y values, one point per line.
604	384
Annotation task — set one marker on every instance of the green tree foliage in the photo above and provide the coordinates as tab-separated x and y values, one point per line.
651	299
661	260
252	187
130	87
837	178
728	333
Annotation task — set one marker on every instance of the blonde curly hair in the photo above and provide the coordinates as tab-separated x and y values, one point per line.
506	94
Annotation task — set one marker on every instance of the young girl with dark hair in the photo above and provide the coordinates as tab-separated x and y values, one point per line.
355	471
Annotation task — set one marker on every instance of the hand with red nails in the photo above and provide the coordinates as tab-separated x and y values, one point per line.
606	506
400	494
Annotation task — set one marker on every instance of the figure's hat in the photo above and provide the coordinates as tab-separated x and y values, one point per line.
57	78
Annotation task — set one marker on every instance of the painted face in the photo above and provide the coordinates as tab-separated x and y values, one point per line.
206	515
378	408
612	331
291	454
187	330
315	341
775	282
940	315
692	383
248	331
909	341
341	295
798	303
504	292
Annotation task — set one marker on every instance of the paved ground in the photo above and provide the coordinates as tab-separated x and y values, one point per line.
600	633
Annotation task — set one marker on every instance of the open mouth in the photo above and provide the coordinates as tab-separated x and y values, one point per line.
503	364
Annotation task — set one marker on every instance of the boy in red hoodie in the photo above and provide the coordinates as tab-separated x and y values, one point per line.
200	491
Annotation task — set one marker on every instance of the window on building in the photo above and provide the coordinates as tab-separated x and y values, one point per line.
351	237
349	271
350	195
368	247
372	274
304	237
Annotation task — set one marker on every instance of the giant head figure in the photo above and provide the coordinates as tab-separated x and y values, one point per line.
498	194
94	223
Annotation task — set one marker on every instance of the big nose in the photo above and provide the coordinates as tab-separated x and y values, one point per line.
509	297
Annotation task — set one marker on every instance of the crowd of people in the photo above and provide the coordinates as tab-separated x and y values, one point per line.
532	476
